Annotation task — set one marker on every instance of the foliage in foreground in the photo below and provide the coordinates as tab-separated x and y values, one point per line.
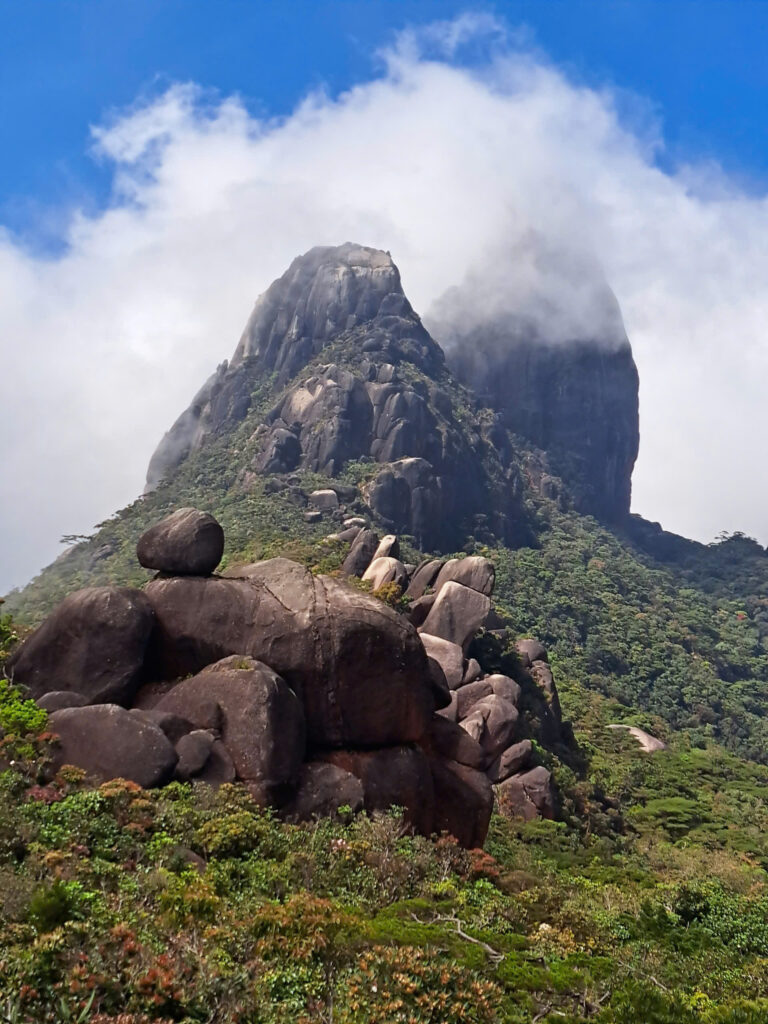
648	903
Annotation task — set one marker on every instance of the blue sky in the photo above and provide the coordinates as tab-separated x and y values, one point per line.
161	165
700	65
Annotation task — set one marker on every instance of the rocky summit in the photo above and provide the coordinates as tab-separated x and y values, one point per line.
302	687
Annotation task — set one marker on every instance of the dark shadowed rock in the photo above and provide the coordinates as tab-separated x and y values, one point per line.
185	543
441	694
448	656
447	739
530	795
468	695
542	676
395	776
512	760
419	609
93	643
193	751
360	667
457	614
360	554
424	577
61	699
450	711
463	802
262	719
108	742
322	789
174	726
219	768
473	571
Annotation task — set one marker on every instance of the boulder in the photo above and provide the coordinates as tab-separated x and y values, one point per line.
472	672
424	577
351	521
193	751
313	516
59	699
394	776
325	500
108	742
219	768
457	614
386	570
493	723
174	726
360	554
322	789
463	802
389	547
448	656
528	796
450	711
448	739
262	720
185	543
94	643
419	610
467	696
542	675
510	761
440	691
360	668
529	651
473	571
505	687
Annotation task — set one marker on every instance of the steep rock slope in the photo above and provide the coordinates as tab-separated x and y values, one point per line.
567	384
382	398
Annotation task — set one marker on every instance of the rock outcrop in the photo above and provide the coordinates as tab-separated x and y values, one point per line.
311	693
563	382
381	401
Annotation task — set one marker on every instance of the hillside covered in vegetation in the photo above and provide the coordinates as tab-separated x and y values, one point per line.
646	900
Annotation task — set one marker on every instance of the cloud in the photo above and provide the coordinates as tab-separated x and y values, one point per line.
466	144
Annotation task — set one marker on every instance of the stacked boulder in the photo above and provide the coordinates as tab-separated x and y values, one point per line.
313	694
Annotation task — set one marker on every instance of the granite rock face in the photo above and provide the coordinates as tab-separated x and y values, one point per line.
368	406
553	360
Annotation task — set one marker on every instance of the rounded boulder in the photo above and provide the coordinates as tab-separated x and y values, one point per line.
186	543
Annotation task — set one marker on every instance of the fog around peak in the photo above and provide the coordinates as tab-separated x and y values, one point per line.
467	155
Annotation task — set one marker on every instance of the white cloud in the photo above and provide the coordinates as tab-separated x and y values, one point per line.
442	165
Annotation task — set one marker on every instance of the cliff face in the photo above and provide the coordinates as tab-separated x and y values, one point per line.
578	402
384	394
327	292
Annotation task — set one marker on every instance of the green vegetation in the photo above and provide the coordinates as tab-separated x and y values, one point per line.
647	903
